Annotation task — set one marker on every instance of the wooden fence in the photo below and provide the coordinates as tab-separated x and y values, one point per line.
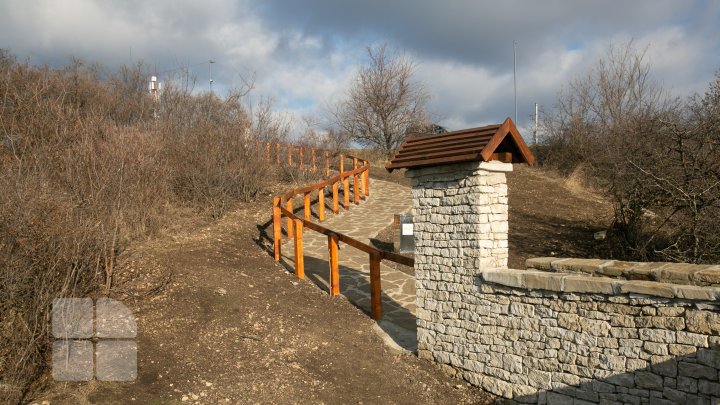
295	225
282	153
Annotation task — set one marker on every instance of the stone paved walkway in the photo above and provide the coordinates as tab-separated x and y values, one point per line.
363	222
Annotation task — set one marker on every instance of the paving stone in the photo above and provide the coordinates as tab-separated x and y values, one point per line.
693	292
646	288
693	370
590	266
599	285
708	276
542	281
541	263
680	273
511	278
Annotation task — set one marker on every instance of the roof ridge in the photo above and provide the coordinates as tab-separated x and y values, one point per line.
463	146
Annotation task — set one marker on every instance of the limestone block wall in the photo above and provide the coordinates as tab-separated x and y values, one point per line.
460	216
556	337
563	331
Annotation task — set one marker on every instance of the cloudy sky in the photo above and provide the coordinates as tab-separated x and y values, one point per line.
304	53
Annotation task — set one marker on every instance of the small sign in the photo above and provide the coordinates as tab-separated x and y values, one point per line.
407	229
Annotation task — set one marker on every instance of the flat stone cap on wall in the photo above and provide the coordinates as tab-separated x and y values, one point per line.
664	272
585	283
610	277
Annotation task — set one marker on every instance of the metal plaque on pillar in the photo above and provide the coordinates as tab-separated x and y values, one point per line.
407	238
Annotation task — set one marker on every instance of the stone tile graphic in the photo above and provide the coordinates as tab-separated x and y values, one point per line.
93	340
72	318
114	320
72	360
116	360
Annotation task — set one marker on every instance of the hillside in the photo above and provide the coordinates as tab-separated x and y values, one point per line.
221	322
549	215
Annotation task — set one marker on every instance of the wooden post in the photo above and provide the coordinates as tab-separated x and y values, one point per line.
289	220
367	182
327	164
301	157
321	204
314	166
342	163
277	227
289	149
267	151
334	272
363	187
299	258
277	154
356	191
335	197
346	193
306	201
375	287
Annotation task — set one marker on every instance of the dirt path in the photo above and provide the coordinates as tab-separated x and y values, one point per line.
232	326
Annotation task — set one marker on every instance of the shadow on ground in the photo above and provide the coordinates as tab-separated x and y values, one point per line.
397	322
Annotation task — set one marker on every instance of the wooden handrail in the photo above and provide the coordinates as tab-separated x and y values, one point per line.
282	206
302	190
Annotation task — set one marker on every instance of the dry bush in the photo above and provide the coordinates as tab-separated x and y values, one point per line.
651	153
212	153
269	126
85	169
77	188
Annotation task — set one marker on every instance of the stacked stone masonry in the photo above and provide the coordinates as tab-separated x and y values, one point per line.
564	331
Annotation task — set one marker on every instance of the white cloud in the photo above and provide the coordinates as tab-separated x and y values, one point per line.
461	90
305	55
244	43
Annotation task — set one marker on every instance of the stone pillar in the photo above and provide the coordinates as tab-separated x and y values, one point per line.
460	215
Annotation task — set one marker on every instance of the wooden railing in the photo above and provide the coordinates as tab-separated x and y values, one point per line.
295	225
282	153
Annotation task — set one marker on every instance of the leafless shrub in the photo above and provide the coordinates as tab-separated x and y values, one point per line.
268	125
130	103
85	167
212	165
651	152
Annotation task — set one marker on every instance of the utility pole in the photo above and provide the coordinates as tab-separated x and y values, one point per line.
154	88
535	131
515	77
211	79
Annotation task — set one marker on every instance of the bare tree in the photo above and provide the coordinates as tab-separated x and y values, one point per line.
384	102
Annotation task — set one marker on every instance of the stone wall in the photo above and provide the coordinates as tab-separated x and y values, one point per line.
460	216
562	331
555	337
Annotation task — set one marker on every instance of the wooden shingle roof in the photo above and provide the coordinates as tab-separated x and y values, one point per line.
500	142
